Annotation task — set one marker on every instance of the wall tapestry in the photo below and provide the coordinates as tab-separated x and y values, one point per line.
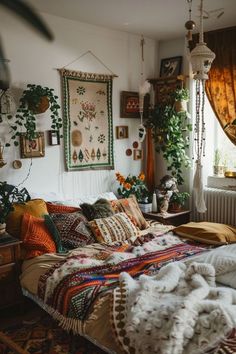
88	131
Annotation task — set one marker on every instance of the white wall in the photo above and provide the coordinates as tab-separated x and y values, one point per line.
168	49
34	60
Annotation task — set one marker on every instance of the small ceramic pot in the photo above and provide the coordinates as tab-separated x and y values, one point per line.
2	228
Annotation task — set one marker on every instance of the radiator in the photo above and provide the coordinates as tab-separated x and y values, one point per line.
221	207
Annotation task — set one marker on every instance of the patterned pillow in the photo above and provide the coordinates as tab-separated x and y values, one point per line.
73	229
114	228
60	208
35	236
100	209
131	208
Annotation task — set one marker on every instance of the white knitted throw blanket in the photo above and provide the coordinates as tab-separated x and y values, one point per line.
179	310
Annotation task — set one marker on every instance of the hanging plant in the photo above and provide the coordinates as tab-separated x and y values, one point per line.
169	131
34	100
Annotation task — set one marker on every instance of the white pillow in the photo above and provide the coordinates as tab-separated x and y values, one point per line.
48	197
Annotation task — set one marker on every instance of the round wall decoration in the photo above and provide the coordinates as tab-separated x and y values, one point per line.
128	152
16	164
135	144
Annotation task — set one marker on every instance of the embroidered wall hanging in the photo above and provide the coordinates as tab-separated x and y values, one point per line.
88	130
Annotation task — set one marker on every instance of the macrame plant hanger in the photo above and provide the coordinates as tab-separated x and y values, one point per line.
201	58
84	54
144	88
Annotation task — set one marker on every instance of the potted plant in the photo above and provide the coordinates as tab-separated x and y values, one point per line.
8	195
170	133
34	100
181	97
177	201
219	163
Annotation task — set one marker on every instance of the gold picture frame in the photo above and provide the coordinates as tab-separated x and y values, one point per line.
122	132
137	154
32	148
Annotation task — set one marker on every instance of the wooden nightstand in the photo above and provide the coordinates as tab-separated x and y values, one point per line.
175	219
10	291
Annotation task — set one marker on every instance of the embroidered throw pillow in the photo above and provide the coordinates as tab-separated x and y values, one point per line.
36	238
73	229
34	207
60	208
114	228
131	208
207	232
100	209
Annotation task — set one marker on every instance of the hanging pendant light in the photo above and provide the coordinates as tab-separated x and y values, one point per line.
201	58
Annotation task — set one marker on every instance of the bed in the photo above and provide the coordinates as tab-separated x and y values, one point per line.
153	292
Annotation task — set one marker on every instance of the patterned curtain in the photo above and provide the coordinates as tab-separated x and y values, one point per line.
221	86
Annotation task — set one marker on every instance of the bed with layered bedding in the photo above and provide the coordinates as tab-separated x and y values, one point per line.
127	284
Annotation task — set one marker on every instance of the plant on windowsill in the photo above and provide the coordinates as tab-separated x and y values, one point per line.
8	195
170	134
177	201
34	100
219	163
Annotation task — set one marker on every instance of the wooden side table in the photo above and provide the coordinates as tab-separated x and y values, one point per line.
10	291
175	219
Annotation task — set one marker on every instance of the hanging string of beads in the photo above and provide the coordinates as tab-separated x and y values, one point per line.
200	125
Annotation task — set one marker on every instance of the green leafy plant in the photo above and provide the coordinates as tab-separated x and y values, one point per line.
26	113
179	198
8	195
217	157
181	94
170	133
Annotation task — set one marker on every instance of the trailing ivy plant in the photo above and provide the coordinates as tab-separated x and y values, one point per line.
170	134
26	113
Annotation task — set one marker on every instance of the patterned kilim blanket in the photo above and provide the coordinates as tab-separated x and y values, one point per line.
72	285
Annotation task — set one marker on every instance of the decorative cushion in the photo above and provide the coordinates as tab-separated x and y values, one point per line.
54	233
131	208
100	209
114	228
60	208
35	207
207	232
35	236
73	229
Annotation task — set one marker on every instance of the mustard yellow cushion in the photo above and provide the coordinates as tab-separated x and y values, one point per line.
207	232
34	207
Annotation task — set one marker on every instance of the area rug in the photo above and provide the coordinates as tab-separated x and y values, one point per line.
45	337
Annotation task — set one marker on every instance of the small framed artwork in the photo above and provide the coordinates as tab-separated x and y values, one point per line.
122	132
170	67
129	105
138	154
32	148
54	137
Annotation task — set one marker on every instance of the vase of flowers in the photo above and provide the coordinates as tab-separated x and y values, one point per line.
133	185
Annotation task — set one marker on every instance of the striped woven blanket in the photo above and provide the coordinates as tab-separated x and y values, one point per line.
71	286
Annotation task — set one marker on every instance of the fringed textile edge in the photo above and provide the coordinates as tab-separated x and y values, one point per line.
85	75
73	324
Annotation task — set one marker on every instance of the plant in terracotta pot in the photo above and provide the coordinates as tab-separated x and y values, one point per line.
10	194
34	100
177	201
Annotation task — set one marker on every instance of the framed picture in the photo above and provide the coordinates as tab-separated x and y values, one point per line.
54	137
122	132
170	66
32	148
129	105
164	87
138	154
